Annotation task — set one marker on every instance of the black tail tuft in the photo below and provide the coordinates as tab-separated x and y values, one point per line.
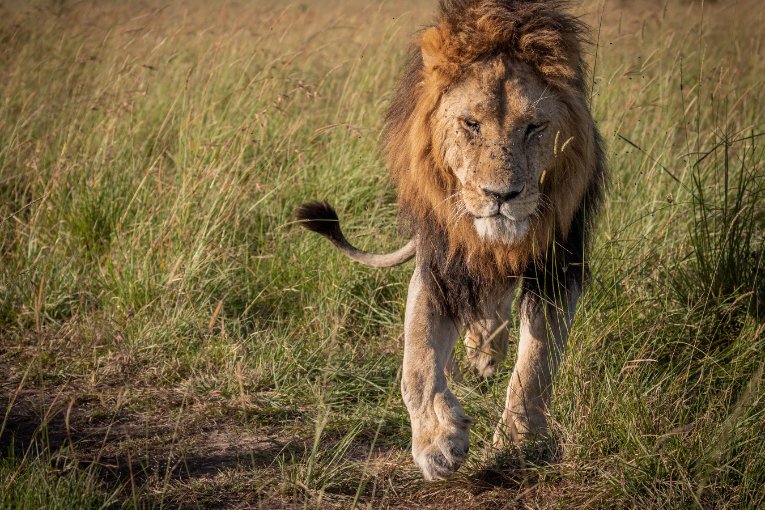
321	218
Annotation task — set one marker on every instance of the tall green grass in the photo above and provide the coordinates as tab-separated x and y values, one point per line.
151	276
33	484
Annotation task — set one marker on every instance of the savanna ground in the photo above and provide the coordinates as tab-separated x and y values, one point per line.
169	338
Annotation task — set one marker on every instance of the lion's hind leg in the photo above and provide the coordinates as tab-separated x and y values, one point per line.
486	338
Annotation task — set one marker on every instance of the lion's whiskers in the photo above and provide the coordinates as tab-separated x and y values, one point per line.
458	213
453	195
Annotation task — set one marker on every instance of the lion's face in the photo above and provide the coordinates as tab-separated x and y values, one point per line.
496	131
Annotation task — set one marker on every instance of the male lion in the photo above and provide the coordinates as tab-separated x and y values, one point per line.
499	171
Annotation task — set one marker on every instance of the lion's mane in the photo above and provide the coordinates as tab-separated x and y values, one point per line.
466	269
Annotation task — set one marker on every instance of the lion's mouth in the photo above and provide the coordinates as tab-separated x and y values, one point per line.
517	212
500	228
500	216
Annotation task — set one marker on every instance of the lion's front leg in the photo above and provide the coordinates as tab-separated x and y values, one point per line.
439	425
486	338
545	324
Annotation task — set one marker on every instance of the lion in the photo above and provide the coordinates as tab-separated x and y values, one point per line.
499	171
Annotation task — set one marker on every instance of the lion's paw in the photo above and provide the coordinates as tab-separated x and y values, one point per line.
484	364
520	427
443	456
440	449
486	355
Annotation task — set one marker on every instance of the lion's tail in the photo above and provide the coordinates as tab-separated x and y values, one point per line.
321	218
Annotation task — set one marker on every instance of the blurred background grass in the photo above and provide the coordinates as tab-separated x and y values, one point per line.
168	338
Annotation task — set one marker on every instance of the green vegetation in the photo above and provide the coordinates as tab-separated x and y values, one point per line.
36	485
168	338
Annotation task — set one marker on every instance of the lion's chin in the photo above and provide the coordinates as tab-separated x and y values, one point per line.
501	229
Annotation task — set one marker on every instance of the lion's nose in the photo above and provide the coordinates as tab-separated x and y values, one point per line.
503	196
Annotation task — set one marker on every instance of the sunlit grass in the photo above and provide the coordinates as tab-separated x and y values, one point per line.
160	311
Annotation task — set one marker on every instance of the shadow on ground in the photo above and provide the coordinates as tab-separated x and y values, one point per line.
128	449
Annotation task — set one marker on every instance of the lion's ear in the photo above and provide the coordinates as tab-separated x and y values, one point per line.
431	46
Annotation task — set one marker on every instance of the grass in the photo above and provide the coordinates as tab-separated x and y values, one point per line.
168	338
36	485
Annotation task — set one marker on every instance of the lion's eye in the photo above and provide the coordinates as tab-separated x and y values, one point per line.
471	125
535	129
